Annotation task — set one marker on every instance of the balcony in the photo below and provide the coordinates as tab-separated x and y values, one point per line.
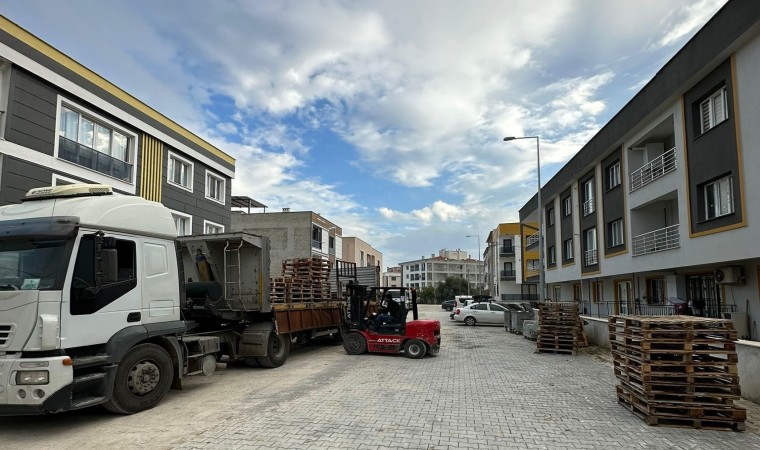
653	170
607	308
507	250
589	257
589	206
94	160
531	240
656	241
316	244
507	275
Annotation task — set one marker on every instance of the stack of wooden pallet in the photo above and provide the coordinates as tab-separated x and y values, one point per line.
303	280
677	370
558	328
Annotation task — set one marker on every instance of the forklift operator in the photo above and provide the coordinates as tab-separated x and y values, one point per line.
388	312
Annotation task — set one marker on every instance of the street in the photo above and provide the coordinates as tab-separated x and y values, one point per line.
486	389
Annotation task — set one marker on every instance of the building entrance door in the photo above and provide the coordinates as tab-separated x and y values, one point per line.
623	300
703	295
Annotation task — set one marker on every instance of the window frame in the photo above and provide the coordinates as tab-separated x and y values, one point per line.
222	190
565	250
612	233
132	145
722	93
567	206
718	197
552	254
613	175
191	171
208	223
550	217
184	216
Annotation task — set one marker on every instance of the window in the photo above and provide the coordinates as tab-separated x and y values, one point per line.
713	110
331	243
212	228
479	306
183	222
94	143
567	206
588	197
215	187
719	199
533	264
655	291
615	231
613	175
316	236
597	291
550	217
552	255
114	265
590	247
179	172
567	250
497	308
577	292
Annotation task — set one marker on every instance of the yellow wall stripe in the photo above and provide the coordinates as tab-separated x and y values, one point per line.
151	169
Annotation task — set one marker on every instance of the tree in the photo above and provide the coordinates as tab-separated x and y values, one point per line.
427	295
450	287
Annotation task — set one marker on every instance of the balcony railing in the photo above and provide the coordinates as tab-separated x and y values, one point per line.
507	274
316	244
589	206
653	170
506	250
589	257
656	241
92	159
606	308
530	273
532	240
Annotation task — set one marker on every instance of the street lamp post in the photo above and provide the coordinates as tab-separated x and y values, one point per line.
478	274
540	215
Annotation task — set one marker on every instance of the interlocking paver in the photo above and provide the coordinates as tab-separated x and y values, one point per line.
487	389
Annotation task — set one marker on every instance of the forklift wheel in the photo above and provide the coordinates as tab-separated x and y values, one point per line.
434	350
415	349
354	344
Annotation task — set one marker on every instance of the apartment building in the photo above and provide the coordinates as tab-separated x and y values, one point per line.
660	208
61	123
391	277
430	271
292	234
509	275
357	251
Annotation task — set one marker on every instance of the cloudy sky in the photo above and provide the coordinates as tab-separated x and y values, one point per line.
386	117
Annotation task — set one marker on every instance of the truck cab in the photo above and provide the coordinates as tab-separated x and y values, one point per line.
88	280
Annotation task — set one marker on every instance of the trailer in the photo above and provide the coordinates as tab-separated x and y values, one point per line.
101	303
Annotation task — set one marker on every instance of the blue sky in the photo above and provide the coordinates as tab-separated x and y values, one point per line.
386	117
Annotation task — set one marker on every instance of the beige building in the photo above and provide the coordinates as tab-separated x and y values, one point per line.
392	277
364	255
449	263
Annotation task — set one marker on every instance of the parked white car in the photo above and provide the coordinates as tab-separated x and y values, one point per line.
485	313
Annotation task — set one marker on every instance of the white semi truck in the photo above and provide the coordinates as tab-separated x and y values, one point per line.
101	303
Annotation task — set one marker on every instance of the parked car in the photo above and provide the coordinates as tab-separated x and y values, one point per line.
449	305
515	306
483	313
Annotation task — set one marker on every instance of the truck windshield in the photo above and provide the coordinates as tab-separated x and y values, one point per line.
29	264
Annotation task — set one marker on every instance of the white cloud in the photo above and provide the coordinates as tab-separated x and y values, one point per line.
687	19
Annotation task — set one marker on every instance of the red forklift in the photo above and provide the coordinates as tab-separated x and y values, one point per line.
376	321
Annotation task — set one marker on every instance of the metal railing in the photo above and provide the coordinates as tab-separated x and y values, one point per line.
653	170
513	297
589	257
92	159
607	308
532	240
507	250
656	241
505	274
589	206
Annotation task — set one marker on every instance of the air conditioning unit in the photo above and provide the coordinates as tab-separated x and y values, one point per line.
729	275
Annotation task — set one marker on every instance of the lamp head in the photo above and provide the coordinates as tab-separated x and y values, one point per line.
509	138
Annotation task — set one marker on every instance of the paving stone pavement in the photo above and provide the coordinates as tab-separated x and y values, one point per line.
487	389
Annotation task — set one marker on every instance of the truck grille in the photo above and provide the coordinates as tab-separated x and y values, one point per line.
6	334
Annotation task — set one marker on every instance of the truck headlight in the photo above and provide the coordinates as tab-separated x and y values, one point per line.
26	377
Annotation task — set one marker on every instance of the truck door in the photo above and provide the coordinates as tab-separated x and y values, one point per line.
160	282
92	311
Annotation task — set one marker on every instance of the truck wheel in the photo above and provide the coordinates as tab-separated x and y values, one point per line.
354	344
278	349
143	378
414	349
